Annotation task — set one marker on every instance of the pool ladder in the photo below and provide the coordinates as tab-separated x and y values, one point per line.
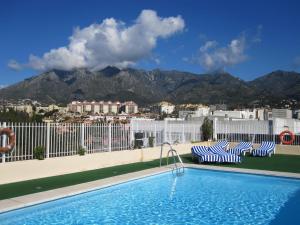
178	168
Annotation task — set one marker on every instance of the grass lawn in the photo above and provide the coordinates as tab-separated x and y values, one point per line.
284	163
281	163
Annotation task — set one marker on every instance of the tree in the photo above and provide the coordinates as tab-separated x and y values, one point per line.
207	129
11	115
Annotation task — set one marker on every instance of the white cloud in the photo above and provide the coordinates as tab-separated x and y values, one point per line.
157	61
109	43
3	86
212	57
208	45
14	65
258	33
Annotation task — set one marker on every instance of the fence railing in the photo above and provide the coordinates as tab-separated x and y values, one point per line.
256	131
65	139
170	131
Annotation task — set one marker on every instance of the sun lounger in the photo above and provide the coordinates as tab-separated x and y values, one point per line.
224	156
223	143
267	148
241	148
204	155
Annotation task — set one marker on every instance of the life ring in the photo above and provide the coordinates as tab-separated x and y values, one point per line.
12	140
287	132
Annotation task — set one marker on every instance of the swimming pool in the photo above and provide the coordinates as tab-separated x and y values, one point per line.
197	197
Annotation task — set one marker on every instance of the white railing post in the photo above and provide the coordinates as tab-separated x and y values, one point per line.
131	144
193	133
82	136
3	143
215	136
155	141
183	136
165	130
48	140
109	137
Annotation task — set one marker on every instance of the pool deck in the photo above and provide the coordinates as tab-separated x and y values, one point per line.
34	169
32	199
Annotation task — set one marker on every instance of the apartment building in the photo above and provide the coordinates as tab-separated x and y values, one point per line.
102	107
129	107
163	107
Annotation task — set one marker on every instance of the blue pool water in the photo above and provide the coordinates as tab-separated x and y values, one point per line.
197	197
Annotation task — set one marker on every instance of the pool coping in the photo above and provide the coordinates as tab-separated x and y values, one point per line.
46	196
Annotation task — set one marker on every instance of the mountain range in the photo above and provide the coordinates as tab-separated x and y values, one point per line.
147	87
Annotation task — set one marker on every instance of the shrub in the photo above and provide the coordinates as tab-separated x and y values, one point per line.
138	144
207	129
81	150
151	141
38	153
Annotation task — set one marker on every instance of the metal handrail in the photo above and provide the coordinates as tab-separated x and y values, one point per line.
161	150
174	154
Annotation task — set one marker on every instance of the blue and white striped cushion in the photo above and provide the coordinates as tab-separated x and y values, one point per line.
204	155
224	156
266	148
223	143
241	148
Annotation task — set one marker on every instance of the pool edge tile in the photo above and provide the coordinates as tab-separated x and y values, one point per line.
242	170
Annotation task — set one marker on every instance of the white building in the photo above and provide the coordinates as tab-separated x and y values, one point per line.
163	107
297	114
49	108
129	107
24	108
94	107
261	114
200	112
237	114
102	107
282	113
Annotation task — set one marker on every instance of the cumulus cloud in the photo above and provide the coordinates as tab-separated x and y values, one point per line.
208	45
110	42
212	57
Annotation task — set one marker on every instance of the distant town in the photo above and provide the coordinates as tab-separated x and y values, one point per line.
123	112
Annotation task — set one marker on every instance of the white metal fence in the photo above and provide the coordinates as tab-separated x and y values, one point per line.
170	131
64	139
256	131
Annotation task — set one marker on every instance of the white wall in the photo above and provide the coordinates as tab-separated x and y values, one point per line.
280	124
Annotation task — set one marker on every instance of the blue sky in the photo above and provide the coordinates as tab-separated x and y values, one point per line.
245	38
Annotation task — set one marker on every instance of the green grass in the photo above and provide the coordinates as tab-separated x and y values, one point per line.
43	184
284	163
281	163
